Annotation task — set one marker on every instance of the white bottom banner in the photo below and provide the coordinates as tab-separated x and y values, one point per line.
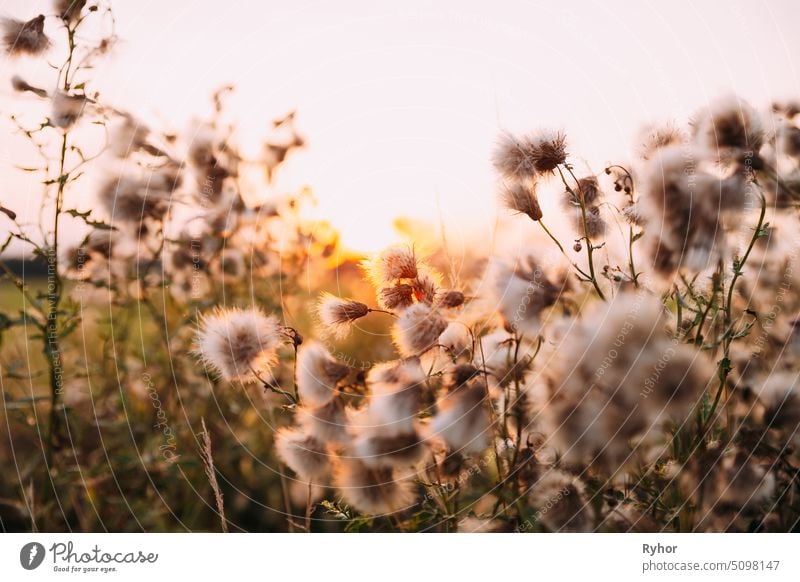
379	557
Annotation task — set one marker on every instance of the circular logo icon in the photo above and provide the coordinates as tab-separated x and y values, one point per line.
31	555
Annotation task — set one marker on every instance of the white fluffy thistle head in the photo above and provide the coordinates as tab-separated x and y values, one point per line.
338	315
371	490
418	329
302	453
24	38
318	372
239	344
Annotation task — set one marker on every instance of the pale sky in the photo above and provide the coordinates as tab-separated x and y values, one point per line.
401	102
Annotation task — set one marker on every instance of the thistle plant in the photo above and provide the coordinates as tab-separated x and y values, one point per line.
641	378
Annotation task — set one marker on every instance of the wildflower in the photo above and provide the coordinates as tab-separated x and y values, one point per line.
130	199
519	159
398	296
684	201
317	374
239	344
327	423
370	490
303	454
67	109
337	315
70	10
522	291
514	158
463	421
521	197
131	136
395	397
594	226
449	299
657	137
587	188
378	450
456	338
418	329
396	262
561	503
622	377
26	38
729	125
21	85
426	286
550	151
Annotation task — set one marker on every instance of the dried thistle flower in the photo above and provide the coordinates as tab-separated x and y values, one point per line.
130	199
239	344
398	296
522	291
514	158
327	423
425	286
729	123
302	453
24	38
622	377
657	137
521	197
317	374
337	315
418	329
456	339
67	109
684	201
449	299
372	491
589	188
381	451
550	151
463	421
21	85
395	262
69	10
395	397
595	226
561	502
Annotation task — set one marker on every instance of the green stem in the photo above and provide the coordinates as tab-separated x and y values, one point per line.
589	245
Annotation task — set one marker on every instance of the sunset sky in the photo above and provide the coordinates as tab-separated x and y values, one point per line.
401	102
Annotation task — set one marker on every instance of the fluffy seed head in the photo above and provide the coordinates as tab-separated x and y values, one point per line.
129	199
337	315
318	372
463	421
418	329
377	450
327	423
514	157
729	124
239	344
24	38
302	453
521	197
67	109
397	296
561	503
372	491
450	299
393	263
69	10
550	151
